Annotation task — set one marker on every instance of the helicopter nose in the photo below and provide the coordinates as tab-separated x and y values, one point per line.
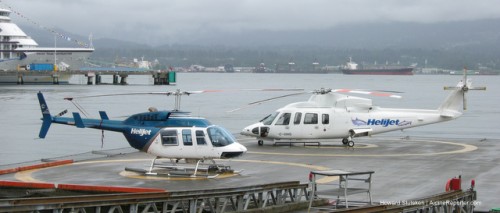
243	148
236	151
252	130
256	130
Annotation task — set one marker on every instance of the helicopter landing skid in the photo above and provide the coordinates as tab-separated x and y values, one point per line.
186	169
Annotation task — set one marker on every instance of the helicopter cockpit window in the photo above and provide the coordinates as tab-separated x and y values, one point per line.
311	118
284	119
200	138
168	137
296	119
186	137
269	118
220	136
325	119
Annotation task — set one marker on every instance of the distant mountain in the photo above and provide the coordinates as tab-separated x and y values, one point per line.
447	45
396	35
45	38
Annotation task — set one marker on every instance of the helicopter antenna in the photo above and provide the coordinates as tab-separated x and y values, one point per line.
78	106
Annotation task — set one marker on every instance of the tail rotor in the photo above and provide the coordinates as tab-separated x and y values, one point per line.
47	118
464	86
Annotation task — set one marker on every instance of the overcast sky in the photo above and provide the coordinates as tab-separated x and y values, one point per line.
172	20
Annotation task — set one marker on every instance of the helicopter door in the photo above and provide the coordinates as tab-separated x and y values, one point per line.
202	146
281	127
311	125
200	138
325	124
187	140
295	125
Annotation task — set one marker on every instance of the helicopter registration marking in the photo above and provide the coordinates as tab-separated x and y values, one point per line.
140	132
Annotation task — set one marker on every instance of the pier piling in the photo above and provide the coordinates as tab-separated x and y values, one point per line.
20	79
115	79
98	79
61	77
55	79
123	80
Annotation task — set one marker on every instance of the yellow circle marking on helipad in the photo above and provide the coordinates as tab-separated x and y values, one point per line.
357	146
465	148
26	176
314	167
136	175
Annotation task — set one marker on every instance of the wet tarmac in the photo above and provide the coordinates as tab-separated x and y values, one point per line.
405	168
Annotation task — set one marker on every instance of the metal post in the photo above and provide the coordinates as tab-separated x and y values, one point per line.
313	191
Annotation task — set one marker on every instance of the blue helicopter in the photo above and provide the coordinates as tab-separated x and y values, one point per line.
174	135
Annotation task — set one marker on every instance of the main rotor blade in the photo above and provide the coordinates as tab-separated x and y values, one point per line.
267	100
364	92
119	94
177	92
272	89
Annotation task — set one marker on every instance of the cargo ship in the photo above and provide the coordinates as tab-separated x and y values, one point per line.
19	53
351	68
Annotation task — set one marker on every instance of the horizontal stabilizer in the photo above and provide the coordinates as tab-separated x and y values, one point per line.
78	120
103	115
450	113
361	131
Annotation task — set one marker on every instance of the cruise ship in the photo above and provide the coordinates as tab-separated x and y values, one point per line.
19	53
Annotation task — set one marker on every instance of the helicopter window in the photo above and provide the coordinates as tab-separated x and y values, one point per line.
269	118
169	137
200	138
297	118
325	119
311	118
187	138
220	136
284	119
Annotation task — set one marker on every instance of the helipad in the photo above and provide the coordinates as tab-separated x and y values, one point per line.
405	168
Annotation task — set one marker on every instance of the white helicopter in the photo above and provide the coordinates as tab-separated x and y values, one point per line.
330	115
172	134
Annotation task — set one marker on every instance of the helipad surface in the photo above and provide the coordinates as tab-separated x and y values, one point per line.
405	168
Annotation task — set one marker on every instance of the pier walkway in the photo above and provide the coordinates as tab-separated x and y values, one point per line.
161	77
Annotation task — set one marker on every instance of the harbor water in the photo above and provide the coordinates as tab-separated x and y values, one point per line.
20	112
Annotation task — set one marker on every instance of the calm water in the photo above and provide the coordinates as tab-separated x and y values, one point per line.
20	112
